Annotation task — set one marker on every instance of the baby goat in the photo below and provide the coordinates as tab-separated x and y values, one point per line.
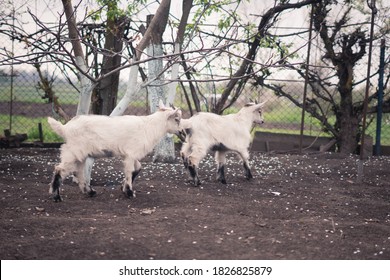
208	131
128	137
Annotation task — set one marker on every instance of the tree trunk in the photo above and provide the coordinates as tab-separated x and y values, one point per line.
344	51
85	84
187	6
348	128
347	118
164	150
131	90
106	93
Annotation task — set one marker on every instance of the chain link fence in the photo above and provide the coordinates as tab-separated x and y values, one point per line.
24	108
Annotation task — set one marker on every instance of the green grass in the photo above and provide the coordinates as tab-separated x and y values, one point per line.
65	93
385	132
30	126
288	118
48	135
21	125
316	130
293	131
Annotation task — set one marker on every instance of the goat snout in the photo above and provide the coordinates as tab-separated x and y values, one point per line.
259	122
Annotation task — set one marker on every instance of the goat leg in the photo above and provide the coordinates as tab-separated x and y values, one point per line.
127	190
221	173
55	187
248	173
194	174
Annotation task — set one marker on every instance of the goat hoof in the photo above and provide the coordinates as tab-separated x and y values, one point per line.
248	175
222	180
91	193
130	193
57	198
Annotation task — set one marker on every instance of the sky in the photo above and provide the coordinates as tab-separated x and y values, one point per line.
49	11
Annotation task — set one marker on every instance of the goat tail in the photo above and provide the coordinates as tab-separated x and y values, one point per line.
56	126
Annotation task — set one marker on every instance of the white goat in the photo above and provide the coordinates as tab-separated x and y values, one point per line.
128	137
208	131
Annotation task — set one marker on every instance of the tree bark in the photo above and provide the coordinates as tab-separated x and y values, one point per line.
156	27
50	95
86	85
164	150
105	97
187	6
347	123
352	48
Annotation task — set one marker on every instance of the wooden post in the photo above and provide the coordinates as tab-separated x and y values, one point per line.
40	131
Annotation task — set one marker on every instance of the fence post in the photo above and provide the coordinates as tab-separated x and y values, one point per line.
306	81
360	173
377	150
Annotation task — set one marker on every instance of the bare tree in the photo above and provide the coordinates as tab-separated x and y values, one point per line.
244	72
46	85
344	47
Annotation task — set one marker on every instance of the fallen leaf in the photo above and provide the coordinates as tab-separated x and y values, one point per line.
371	220
40	209
148	211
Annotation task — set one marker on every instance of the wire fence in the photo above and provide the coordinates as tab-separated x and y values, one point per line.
24	109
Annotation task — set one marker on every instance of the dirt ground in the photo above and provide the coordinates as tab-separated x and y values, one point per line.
296	207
